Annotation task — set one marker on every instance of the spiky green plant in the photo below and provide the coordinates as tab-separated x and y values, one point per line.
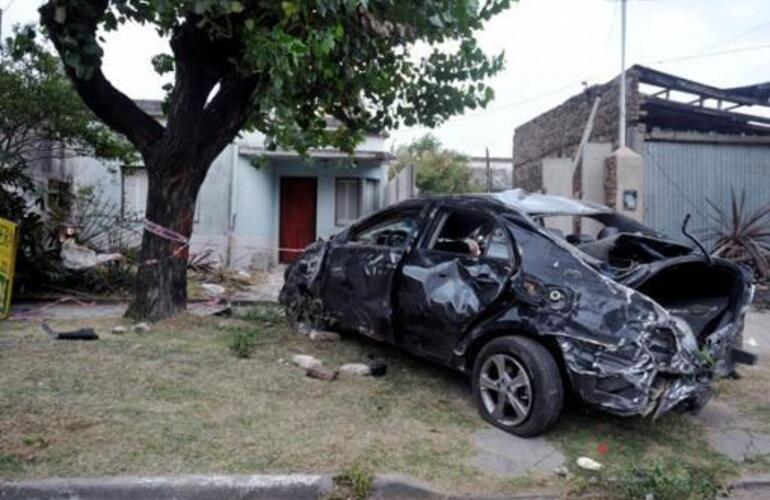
742	234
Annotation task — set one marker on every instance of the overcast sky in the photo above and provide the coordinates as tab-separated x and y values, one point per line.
551	47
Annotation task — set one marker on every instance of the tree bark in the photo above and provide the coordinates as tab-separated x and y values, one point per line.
161	281
177	155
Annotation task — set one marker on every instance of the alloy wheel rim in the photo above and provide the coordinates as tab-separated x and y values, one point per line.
506	389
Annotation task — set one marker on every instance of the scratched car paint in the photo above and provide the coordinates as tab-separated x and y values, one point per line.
639	324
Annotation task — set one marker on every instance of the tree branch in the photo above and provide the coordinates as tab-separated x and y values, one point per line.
113	107
228	111
200	64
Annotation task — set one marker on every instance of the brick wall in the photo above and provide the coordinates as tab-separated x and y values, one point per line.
556	133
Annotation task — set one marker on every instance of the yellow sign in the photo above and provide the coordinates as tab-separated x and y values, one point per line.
9	241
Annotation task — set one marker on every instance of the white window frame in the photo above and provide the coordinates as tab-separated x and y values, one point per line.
370	198
346	219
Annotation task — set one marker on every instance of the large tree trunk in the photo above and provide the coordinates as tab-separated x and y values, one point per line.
161	281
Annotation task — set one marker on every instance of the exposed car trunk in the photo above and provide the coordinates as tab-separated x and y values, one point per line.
706	296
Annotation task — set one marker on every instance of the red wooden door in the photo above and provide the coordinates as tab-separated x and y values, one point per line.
298	214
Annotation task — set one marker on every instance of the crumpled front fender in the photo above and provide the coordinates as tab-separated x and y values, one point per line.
302	282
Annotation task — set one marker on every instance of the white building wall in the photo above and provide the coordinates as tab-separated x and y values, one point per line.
237	215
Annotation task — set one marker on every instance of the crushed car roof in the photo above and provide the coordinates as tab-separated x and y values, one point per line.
547	204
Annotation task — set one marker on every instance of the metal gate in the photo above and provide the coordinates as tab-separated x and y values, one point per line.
682	178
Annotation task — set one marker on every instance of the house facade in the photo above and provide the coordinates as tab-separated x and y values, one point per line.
256	207
690	145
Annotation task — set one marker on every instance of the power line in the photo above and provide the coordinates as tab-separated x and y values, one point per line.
549	93
516	104
736	37
751	48
8	5
703	53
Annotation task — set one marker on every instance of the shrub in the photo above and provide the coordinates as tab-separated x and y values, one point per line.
242	342
742	235
265	313
354	483
667	482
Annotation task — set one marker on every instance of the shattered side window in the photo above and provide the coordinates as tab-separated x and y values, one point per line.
464	233
393	231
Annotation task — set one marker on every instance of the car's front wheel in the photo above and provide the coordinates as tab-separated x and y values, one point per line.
517	386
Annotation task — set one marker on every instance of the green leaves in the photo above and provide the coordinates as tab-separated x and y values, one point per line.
347	59
438	170
163	63
290	9
38	105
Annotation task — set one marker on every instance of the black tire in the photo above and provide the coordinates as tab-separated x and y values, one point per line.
545	389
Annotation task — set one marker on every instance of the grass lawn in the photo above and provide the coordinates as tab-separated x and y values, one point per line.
177	401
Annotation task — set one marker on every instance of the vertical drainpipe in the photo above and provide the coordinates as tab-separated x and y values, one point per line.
232	204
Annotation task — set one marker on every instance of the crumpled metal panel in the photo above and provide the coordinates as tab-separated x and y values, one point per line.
452	286
301	290
357	287
609	333
622	351
440	294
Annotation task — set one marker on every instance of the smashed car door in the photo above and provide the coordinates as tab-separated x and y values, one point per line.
456	271
360	268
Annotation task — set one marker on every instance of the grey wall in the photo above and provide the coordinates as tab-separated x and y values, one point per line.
680	177
401	186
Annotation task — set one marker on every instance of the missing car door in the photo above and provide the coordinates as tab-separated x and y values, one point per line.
360	272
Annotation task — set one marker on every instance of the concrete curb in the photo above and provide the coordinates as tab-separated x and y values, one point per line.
403	487
299	486
221	487
751	483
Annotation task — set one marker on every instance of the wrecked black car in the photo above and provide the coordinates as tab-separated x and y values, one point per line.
629	321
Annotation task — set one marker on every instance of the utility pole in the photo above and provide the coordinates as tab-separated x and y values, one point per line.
1	25
622	127
489	173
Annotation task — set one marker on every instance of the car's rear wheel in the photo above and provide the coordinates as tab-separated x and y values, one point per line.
517	386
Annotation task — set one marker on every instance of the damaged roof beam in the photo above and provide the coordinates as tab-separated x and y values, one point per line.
670	82
712	111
